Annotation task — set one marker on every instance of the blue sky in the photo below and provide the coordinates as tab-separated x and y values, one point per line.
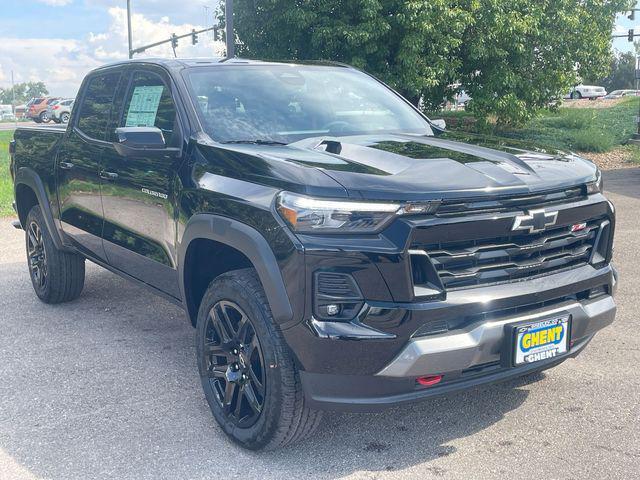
79	17
59	41
623	25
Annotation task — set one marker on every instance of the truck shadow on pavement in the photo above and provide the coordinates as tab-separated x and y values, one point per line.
107	386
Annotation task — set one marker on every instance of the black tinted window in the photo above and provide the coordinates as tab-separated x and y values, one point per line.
96	105
286	103
149	104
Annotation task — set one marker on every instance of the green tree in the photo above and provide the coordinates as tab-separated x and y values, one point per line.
622	76
23	92
513	57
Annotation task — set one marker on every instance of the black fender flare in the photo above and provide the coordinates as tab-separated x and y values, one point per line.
250	243
28	177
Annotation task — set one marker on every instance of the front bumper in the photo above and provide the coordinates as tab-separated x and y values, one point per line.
465	359
347	393
483	343
348	375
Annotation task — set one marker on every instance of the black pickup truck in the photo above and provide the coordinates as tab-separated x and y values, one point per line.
333	247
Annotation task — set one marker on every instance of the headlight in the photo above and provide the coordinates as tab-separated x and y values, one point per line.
597	186
314	215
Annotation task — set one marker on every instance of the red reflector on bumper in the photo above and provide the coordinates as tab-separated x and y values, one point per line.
429	381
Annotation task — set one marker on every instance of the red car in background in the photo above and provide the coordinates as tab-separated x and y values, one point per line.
37	109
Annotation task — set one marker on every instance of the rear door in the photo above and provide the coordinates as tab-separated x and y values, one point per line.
79	160
140	199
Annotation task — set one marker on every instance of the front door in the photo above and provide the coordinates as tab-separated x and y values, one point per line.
139	200
78	164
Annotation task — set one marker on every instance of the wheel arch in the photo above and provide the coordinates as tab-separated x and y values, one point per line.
240	246
29	191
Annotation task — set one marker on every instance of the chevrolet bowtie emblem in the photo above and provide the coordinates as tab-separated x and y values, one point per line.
535	221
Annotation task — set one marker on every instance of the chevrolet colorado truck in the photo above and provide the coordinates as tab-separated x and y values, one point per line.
333	247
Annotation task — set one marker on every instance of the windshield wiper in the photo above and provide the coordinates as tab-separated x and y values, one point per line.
257	142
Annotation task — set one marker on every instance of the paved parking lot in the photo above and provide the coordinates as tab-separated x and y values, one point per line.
12	125
107	387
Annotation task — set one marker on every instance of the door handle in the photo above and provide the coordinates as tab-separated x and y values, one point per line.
108	175
66	165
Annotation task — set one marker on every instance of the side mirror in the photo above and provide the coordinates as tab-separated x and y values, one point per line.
141	138
440	123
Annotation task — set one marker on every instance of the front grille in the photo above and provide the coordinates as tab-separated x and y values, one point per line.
503	259
456	208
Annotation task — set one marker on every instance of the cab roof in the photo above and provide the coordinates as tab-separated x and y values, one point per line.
180	63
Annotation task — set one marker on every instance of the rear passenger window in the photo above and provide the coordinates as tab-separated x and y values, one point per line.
149	104
96	105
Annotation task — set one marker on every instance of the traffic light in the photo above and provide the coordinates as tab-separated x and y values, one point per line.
174	40
194	37
630	36
632	15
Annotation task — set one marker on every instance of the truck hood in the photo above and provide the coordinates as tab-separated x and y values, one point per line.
418	167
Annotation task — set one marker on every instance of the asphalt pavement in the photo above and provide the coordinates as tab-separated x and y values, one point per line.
12	125
107	387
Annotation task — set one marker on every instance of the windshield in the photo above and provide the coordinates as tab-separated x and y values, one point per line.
284	103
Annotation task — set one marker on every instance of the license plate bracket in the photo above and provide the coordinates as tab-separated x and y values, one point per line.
536	340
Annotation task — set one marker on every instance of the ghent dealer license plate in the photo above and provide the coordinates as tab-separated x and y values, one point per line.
541	340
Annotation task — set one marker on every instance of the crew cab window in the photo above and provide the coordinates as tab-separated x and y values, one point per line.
96	104
149	104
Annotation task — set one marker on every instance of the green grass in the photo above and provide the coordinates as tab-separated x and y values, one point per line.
580	129
6	186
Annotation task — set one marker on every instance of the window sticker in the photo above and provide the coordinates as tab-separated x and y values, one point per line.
143	108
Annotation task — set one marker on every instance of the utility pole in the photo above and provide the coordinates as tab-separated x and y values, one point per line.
636	136
129	29
228	21
13	89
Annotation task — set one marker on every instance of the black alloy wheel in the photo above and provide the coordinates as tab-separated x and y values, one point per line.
37	255
235	363
57	276
249	377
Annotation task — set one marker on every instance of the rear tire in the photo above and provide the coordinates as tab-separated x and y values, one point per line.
44	117
242	356
56	276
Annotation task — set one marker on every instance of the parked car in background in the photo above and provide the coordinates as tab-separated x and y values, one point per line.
61	111
20	111
38	109
586	91
6	112
50	106
621	93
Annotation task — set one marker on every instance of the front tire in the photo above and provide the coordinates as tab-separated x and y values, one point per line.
44	117
56	276
576	95
249	378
